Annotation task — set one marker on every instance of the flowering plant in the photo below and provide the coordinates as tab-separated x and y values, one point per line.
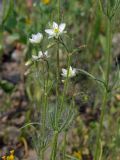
36	38
56	30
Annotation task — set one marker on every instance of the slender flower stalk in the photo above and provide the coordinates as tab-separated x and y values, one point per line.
109	39
45	101
100	6
54	149
36	58
106	89
56	133
58	70
58	10
64	144
67	74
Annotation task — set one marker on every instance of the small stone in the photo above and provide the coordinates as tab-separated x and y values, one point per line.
14	78
31	155
19	121
12	135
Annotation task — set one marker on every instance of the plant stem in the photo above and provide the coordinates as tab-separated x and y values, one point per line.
44	108
58	66
58	59
64	147
108	52
106	91
54	146
66	80
100	5
58	71
100	125
59	11
56	133
42	155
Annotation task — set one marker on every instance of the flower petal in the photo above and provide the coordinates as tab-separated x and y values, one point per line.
34	57
49	31
39	34
51	36
40	54
55	25
64	72
31	40
62	27
36	38
46	53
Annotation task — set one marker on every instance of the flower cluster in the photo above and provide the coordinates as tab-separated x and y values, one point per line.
10	157
54	32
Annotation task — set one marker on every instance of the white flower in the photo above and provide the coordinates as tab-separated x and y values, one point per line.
36	38
41	55
70	73
56	30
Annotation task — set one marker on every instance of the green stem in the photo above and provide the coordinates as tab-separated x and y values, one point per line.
57	68
41	152
58	59
58	71
42	155
64	145
100	125
108	52
7	11
57	87
101	9
44	108
59	11
106	91
54	146
66	80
